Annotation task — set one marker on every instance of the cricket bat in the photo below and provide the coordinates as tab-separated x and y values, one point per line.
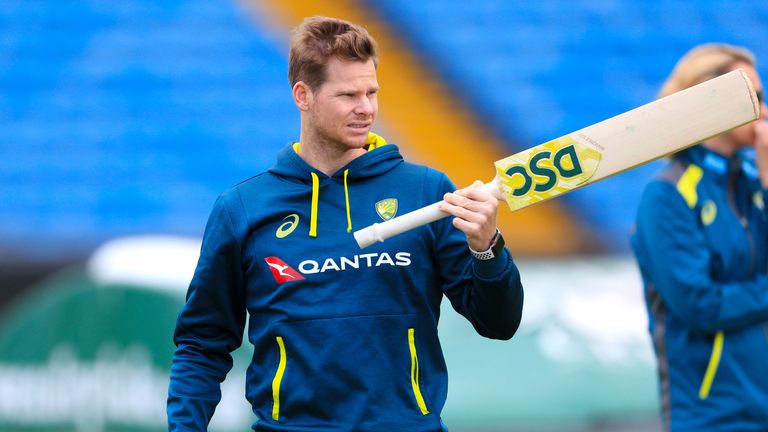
610	147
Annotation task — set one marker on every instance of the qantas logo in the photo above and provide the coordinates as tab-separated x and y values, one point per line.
282	271
285	273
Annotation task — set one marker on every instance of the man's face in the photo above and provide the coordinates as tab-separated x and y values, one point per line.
343	109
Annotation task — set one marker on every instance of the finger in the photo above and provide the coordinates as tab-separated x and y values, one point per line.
487	207
472	230
470	204
478	238
468	214
476	194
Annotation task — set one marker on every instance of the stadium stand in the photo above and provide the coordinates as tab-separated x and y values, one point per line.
538	70
131	117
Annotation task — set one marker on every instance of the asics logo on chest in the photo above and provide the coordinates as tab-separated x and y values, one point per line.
286	228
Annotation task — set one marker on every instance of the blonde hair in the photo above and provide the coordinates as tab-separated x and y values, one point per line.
705	62
318	39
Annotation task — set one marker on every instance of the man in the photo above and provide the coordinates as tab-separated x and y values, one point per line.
343	340
702	246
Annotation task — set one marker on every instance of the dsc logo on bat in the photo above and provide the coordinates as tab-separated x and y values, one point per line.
545	167
546	171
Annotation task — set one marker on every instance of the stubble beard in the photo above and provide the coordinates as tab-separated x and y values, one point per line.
337	139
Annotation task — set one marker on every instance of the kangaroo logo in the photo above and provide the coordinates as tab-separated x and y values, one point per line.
281	271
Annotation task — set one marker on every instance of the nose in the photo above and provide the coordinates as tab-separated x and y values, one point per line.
364	106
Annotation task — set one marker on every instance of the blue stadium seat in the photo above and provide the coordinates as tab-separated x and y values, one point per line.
131	117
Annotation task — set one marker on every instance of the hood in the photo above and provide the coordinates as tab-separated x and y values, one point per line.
378	160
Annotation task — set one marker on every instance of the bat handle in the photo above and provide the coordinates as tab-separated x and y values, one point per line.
379	232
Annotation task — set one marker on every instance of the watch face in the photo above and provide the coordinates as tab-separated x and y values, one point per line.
498	244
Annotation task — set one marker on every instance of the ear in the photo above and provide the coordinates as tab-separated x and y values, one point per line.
302	95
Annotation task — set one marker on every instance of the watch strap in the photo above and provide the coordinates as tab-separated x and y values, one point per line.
494	249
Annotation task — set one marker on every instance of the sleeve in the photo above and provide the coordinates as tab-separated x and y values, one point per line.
488	293
675	257
209	327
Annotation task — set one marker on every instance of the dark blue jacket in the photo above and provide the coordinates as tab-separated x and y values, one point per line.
701	245
344	339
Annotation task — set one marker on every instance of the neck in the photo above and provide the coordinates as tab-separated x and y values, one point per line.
722	145
325	155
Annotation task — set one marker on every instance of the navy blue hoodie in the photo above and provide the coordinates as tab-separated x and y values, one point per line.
343	339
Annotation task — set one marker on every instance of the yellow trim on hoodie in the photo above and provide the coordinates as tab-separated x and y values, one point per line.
687	184
415	373
714	362
346	198
313	211
277	380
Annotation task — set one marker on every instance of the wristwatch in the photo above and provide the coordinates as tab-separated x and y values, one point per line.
494	249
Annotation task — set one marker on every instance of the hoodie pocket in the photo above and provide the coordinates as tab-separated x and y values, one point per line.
415	372
714	362
278	379
348	369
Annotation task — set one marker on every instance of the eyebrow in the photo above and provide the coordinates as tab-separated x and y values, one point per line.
353	91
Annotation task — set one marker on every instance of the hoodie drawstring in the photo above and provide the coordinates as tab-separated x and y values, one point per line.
313	213
346	197
374	141
315	196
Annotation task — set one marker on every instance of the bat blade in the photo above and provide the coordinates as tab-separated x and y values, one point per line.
627	140
644	134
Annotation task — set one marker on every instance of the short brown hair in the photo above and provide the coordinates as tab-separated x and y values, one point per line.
317	39
705	62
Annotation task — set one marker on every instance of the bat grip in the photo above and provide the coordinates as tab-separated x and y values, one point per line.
379	232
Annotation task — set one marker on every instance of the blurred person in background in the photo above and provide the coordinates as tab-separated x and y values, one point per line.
701	242
343	340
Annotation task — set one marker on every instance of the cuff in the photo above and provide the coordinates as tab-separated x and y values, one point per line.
492	268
